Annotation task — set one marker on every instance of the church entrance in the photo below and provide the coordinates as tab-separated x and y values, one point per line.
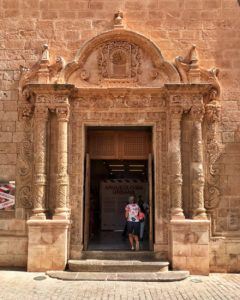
118	165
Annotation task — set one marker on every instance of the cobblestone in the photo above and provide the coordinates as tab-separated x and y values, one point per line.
20	285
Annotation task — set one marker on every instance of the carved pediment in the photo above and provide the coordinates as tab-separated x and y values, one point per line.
120	58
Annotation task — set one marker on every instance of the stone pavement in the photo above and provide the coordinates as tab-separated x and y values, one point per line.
19	285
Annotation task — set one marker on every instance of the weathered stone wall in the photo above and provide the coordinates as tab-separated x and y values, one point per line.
13	243
213	25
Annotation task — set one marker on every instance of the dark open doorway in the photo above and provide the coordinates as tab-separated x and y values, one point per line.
118	164
111	184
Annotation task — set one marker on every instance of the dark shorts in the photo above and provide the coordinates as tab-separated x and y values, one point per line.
133	228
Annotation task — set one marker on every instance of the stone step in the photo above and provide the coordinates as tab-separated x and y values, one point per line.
100	265
120	255
127	276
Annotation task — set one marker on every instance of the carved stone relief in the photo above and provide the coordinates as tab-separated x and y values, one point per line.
110	101
119	60
25	158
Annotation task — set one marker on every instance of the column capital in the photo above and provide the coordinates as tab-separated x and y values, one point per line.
213	111
176	111
41	112
197	112
26	111
63	113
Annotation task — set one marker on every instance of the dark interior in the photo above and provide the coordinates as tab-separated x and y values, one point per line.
115	172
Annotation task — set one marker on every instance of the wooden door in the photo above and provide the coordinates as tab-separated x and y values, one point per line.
150	195
86	203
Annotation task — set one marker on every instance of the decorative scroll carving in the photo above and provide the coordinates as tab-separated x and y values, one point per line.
25	158
51	101
55	69
119	61
120	101
119	117
188	66
213	148
190	71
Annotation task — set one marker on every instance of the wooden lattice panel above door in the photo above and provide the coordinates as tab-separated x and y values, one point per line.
119	144
102	144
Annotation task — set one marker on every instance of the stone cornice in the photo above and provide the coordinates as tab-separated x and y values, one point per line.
170	88
42	88
188	88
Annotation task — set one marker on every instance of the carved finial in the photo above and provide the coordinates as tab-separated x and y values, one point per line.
118	20
188	66
45	53
194	72
193	57
43	72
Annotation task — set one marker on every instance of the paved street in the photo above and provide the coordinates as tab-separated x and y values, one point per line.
21	285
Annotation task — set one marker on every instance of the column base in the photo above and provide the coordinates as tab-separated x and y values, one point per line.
38	217
38	214
61	217
61	213
177	214
200	214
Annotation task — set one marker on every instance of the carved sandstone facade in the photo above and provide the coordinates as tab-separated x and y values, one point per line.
119	78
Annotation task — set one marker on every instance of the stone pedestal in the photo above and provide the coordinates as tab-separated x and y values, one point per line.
47	245
189	242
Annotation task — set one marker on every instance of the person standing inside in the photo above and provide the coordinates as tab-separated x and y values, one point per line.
132	211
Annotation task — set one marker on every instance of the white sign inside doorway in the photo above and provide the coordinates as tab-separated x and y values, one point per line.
114	196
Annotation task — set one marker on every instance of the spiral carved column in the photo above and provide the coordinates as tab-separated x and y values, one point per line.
40	153
175	164
62	180
198	180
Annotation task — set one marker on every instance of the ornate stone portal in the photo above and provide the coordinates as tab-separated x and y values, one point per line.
118	78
